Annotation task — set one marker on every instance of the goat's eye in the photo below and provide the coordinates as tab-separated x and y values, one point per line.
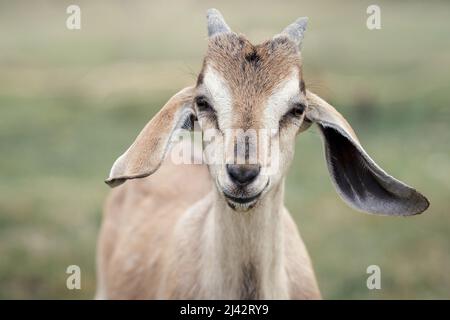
293	115
297	110
203	105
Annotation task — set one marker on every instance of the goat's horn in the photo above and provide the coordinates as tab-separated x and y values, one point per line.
295	31
216	23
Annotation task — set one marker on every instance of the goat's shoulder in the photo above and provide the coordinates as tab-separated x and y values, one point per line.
138	225
171	185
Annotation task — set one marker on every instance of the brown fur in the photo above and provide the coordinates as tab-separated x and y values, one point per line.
139	218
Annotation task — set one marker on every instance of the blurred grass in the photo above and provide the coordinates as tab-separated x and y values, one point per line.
71	101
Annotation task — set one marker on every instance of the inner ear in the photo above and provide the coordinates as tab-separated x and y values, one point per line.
362	183
350	170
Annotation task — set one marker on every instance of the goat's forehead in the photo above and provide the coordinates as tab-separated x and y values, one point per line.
251	69
249	108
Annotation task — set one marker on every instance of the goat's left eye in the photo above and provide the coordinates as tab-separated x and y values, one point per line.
297	110
203	105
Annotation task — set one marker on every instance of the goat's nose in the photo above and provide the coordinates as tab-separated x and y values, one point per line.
243	174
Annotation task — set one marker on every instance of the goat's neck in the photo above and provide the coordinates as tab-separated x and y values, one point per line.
245	249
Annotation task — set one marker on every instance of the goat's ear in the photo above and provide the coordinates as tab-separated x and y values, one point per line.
147	152
360	182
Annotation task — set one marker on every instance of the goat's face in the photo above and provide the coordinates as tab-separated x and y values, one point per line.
250	102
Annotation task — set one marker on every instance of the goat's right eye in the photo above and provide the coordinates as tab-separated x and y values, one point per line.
203	105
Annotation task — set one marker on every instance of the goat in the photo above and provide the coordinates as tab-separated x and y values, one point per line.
220	230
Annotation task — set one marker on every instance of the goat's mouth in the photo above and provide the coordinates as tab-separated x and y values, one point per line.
243	202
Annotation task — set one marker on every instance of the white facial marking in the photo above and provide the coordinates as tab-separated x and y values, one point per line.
279	102
219	92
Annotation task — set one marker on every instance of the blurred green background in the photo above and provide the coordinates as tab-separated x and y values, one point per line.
72	101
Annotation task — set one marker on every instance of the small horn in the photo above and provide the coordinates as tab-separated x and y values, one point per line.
295	31
216	23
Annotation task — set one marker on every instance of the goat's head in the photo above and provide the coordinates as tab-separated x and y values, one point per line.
254	98
251	102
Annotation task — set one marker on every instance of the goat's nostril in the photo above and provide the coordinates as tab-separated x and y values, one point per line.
243	174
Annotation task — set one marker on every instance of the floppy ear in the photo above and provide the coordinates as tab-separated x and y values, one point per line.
360	182
147	152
